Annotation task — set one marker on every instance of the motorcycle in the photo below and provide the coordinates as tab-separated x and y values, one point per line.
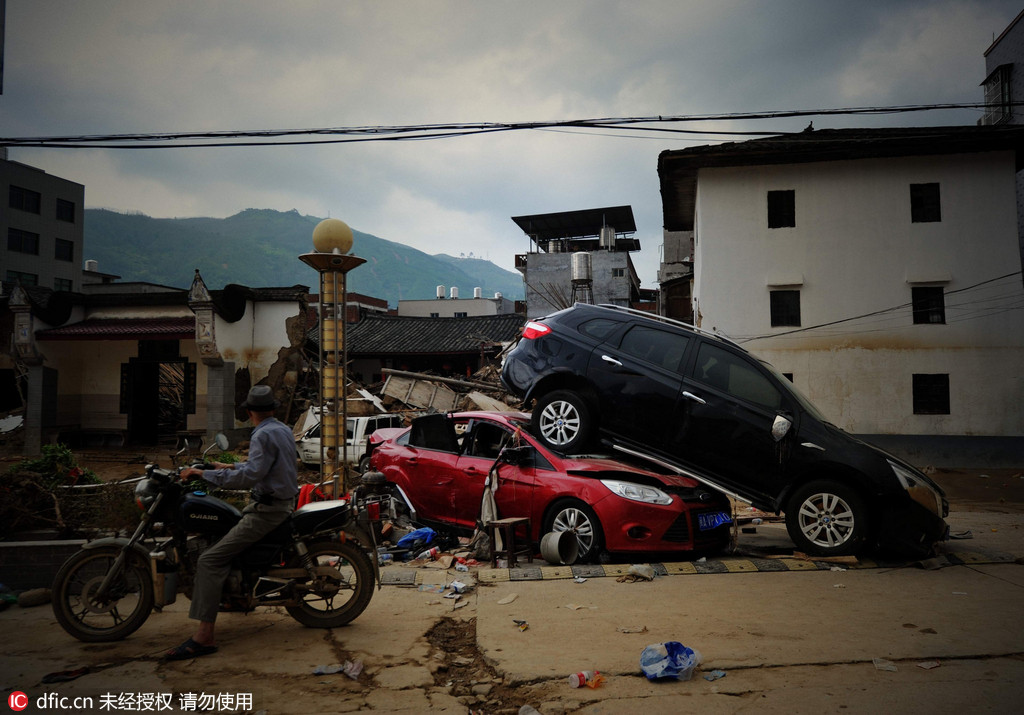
317	564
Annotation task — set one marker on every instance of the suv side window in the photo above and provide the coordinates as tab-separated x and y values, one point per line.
655	346
599	328
732	374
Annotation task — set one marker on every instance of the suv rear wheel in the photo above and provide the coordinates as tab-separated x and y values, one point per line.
562	422
827	518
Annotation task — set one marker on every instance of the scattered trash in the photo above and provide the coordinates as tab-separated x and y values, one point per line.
839	585
417	539
385	559
961	534
528	710
579	579
837	568
577	607
351	668
632	629
959	593
429	554
645	571
590	678
702	560
522	625
756	520
462	567
458	587
432	587
883	664
460	604
668	660
508	599
929	664
453	594
714	675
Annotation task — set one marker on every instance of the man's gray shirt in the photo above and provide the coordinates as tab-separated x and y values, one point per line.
270	469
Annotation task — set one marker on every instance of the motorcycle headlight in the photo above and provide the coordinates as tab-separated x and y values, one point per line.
918	488
145	492
637	492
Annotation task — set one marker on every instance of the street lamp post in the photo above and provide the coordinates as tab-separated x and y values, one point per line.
332	241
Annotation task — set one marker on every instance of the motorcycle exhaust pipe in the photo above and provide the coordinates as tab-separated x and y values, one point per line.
271	588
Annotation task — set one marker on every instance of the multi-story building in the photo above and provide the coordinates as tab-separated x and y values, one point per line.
554	279
42	228
878	268
453	306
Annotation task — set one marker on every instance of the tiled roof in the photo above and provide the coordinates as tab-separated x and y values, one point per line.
123	329
388	334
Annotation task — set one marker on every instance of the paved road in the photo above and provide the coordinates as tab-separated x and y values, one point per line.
799	640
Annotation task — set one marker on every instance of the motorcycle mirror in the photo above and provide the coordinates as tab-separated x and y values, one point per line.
222	441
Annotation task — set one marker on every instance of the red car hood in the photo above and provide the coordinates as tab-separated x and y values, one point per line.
595	466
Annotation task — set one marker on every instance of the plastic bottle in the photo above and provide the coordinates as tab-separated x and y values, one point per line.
430	553
578	680
384	559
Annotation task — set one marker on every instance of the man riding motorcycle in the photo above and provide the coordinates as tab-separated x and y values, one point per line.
271	475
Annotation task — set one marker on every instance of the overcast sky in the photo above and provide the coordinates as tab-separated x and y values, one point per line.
144	66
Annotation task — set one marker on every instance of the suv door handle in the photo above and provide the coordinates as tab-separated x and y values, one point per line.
690	396
613	361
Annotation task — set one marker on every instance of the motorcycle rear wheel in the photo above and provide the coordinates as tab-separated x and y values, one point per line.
342	590
126	607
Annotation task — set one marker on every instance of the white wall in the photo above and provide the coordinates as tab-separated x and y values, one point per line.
854	251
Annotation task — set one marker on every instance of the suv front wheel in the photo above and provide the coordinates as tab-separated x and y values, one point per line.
562	421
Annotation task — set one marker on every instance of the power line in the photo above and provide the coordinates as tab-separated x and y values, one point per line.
422	132
888	311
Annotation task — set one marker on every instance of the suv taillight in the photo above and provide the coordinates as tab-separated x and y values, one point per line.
533	330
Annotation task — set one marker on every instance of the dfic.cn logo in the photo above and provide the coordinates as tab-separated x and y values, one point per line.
18	700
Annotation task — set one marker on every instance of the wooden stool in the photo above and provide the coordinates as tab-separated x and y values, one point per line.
507	527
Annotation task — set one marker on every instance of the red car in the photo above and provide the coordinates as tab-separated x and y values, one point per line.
441	461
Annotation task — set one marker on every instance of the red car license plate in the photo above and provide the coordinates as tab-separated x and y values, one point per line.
712	520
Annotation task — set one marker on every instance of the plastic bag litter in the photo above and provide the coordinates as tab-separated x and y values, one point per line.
417	539
669	660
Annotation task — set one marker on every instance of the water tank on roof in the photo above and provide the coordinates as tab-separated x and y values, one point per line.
580	265
497	296
607	238
440	292
455	292
92	265
478	292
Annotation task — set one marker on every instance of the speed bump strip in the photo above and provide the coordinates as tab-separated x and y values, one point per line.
680	567
740	566
550	573
797	565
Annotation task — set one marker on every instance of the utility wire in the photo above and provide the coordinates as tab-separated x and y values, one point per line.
883	311
420	132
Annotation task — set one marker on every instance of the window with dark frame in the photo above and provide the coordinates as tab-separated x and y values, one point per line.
62	284
22	241
26	279
931	394
781	209
785	308
64	250
929	304
65	210
24	199
925	206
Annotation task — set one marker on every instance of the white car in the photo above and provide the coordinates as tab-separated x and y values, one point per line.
358	429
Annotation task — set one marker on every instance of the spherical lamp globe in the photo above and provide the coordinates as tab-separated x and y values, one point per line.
332	236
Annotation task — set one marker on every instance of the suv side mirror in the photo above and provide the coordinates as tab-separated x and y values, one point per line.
780	427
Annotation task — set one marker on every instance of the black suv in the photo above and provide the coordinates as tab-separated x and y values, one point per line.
701	404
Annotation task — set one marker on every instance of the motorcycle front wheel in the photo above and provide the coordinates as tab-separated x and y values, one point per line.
341	589
126	606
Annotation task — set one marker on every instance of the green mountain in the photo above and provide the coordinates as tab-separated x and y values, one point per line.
260	248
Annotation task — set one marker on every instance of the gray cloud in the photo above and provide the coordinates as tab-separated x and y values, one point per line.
117	66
